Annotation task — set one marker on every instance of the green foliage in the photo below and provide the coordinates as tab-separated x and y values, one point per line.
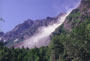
77	21
73	46
1	43
75	15
11	54
66	46
76	43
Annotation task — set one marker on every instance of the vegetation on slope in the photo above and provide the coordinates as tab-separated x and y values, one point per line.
68	44
74	46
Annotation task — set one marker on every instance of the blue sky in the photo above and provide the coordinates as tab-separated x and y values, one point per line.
17	11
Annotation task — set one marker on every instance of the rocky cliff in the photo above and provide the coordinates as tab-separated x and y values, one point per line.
77	16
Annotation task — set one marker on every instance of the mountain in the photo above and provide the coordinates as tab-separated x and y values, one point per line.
26	30
76	17
70	42
1	34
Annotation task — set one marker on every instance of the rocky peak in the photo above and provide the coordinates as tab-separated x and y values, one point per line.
1	34
81	13
27	29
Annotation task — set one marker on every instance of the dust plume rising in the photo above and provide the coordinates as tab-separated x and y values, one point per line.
42	36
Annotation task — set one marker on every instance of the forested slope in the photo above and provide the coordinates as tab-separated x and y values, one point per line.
70	42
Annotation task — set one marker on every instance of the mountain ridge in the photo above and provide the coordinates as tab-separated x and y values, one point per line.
27	29
67	44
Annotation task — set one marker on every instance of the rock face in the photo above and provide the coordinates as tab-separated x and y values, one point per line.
29	27
26	30
1	34
76	17
72	35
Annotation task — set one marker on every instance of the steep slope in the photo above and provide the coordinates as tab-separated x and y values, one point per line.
29	28
26	30
68	44
42	38
33	33
71	41
77	16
